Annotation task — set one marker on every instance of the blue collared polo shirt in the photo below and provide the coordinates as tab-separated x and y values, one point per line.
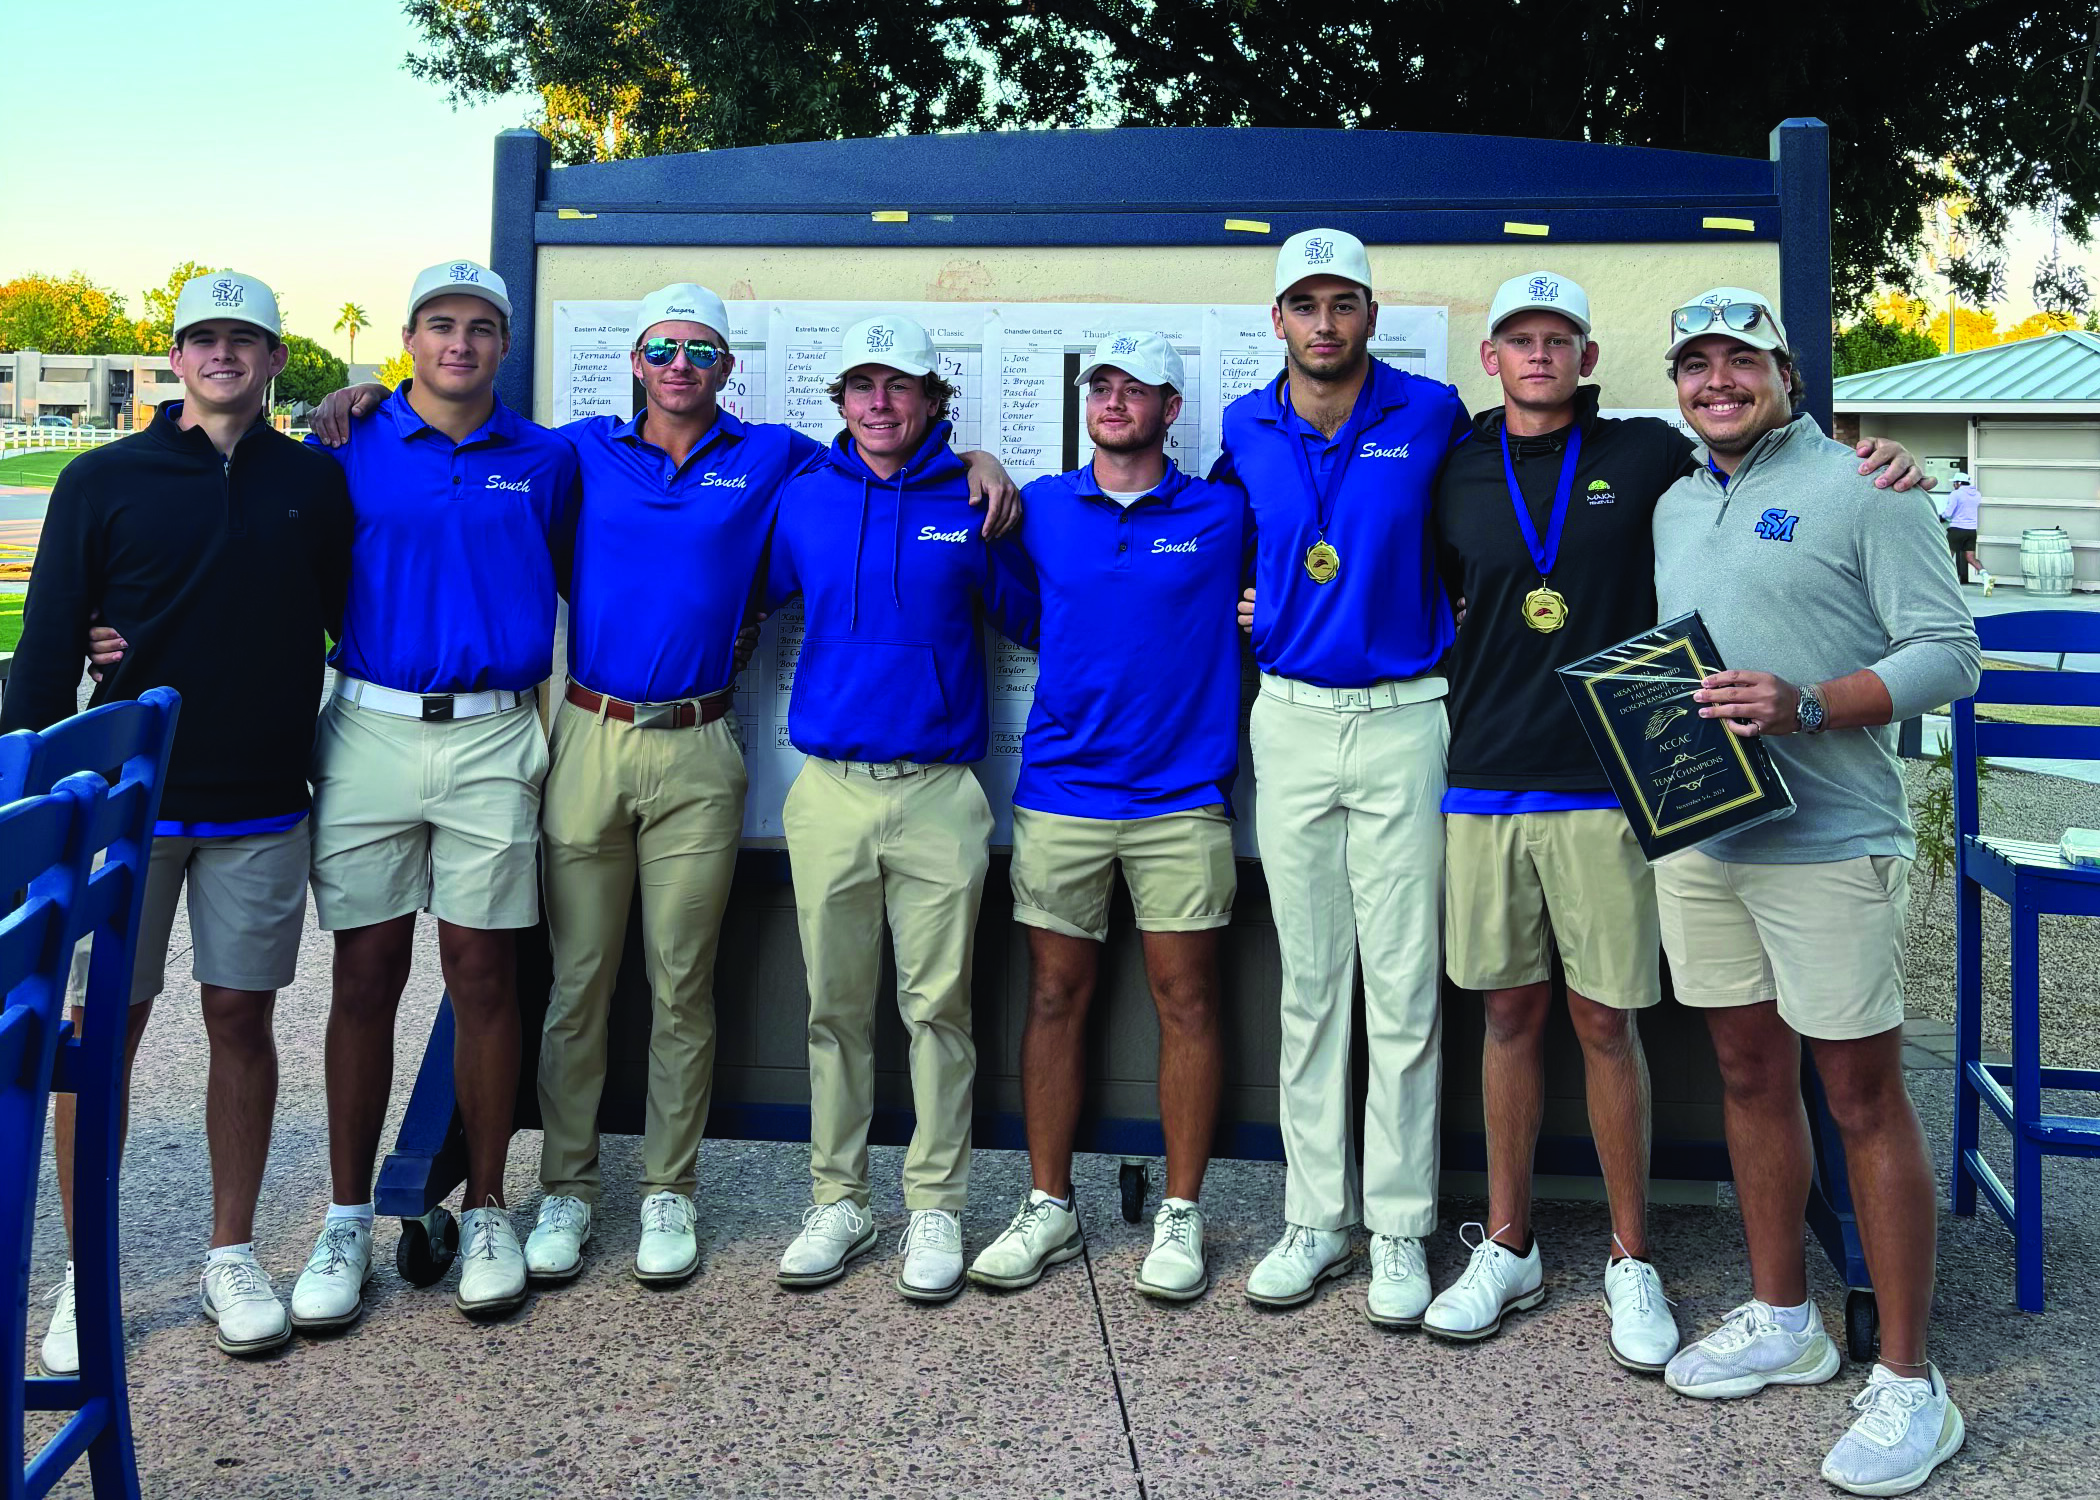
665	555
1137	697
1384	614
451	563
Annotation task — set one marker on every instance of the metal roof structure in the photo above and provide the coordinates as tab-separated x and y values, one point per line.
2058	373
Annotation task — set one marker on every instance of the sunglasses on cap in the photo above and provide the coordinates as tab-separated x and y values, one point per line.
699	353
1739	317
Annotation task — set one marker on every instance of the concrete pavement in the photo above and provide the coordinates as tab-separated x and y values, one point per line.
732	1386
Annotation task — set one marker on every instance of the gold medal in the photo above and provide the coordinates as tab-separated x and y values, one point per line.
1322	562
1544	609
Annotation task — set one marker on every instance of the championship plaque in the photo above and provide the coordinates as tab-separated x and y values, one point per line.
1680	779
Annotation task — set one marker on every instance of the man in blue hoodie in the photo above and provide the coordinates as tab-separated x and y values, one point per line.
889	705
1126	764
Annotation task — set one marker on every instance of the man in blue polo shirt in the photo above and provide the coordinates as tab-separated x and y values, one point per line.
648	779
1340	455
1126	762
885	822
428	762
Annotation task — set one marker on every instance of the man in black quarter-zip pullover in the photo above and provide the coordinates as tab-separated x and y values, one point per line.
219	550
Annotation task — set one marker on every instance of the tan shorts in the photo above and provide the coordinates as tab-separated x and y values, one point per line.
443	817
247	910
1178	866
1826	940
1519	885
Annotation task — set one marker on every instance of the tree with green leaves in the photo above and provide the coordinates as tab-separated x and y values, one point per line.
352	321
311	371
1874	343
65	315
1997	101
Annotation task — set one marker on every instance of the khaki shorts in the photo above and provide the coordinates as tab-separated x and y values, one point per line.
1826	940
247	910
443	817
1518	885
1178	866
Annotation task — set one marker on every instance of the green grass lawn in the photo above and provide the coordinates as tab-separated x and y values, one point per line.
10	620
39	468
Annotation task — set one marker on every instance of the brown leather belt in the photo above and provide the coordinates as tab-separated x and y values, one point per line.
654	715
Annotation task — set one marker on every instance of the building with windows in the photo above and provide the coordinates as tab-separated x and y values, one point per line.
2022	420
90	390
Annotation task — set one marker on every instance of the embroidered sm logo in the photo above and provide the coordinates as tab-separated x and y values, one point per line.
1776	525
881	340
1319	252
1125	345
1545	289
226	292
464	272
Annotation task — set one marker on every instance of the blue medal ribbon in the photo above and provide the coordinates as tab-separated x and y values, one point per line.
1323	496
1545	554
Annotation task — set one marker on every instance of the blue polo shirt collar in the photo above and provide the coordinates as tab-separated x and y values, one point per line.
1383	389
1172	483
728	428
501	426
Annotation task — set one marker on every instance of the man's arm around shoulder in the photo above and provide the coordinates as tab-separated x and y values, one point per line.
43	680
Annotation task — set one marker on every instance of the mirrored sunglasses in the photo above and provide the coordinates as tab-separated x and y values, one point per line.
699	353
1739	317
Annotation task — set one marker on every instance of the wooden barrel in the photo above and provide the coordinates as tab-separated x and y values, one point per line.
2045	557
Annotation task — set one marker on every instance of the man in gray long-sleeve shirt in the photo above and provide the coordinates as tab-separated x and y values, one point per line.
1837	604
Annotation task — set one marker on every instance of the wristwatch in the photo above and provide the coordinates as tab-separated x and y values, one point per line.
1810	711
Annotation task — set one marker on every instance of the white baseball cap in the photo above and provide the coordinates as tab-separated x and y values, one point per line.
1540	291
1144	357
681	302
459	276
894	343
1322	252
227	294
1727	310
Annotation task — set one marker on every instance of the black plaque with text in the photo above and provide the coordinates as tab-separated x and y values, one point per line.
1680	779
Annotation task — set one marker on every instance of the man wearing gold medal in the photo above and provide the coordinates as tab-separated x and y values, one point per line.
1339	455
1543	524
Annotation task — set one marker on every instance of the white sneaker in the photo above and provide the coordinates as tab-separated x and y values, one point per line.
554	1249
1175	1271
1399	1281
832	1234
330	1292
1906	1429
670	1250
1293	1270
1042	1234
491	1263
60	1354
1989	583
1496	1282
1748	1352
236	1295
933	1258
1643	1330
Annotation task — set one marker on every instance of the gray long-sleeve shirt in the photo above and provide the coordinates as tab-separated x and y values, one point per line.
1800	567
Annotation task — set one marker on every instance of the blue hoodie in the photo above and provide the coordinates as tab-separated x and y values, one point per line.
893	575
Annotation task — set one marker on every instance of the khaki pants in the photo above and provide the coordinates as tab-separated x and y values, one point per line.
1352	842
907	842
667	806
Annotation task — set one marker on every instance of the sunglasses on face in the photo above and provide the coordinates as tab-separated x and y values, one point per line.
699	353
1740	317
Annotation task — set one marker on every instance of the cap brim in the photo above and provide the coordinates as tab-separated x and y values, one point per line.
1581	324
901	366
1088	372
1754	338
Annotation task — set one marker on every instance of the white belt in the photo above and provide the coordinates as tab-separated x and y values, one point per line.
1392	693
431	708
883	770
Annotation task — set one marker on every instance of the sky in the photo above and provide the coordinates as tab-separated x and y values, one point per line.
354	173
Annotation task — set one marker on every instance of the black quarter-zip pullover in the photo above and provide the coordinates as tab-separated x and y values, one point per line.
222	572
